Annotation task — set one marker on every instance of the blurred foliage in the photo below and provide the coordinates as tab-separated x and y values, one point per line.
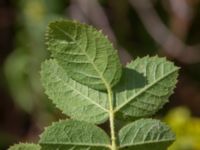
23	65
186	127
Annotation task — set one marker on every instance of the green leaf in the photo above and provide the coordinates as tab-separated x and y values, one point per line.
86	54
74	99
145	87
74	135
145	134
25	146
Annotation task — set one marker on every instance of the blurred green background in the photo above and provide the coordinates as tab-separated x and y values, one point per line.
169	28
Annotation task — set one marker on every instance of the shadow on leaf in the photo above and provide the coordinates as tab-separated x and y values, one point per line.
130	80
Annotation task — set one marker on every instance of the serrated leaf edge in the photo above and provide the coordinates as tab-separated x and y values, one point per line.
144	89
24	143
93	102
148	142
78	144
47	39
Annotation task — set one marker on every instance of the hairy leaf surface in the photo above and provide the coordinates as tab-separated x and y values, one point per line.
86	54
145	86
145	134
74	135
25	146
73	98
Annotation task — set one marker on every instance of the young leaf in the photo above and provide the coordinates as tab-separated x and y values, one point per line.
86	54
74	99
145	134
145	86
25	146
74	135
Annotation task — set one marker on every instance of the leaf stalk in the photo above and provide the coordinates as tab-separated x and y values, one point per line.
112	119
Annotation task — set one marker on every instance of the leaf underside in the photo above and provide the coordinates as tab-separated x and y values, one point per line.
74	135
25	146
83	64
145	134
74	99
145	87
85	53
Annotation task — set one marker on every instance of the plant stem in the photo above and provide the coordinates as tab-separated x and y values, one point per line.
112	120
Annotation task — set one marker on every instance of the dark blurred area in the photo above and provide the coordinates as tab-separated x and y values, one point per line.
169	28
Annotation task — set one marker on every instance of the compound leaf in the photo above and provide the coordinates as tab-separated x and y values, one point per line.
25	146
86	54
74	135
73	98
145	87
145	134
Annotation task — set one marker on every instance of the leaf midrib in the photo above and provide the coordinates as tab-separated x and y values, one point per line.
93	64
98	105
107	85
80	93
75	144
143	90
148	142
